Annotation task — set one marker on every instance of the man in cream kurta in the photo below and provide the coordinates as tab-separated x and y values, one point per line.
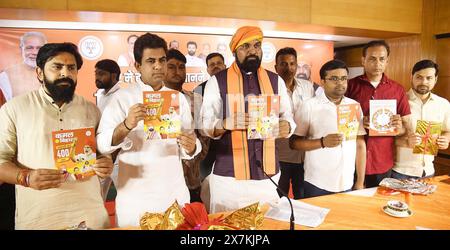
150	172
425	106
26	125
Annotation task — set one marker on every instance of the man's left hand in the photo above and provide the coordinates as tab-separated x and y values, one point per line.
103	166
187	141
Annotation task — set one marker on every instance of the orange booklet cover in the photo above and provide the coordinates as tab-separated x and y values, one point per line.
163	114
263	112
74	151
429	132
381	112
348	119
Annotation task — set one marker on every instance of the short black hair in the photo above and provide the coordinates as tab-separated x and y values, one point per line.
148	41
425	64
175	54
214	54
110	66
286	51
191	42
331	65
50	50
376	44
131	36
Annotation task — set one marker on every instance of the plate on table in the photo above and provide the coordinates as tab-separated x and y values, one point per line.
398	215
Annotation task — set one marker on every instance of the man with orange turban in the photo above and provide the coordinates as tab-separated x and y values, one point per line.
242	165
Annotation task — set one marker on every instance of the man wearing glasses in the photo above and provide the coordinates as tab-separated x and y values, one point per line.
329	159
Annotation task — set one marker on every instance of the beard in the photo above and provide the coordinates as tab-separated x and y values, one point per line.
191	52
422	89
102	85
302	76
61	92
250	63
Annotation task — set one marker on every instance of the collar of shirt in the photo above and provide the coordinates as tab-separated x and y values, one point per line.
413	97
147	87
50	100
324	99
384	80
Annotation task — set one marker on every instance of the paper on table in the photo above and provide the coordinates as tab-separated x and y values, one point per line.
367	192
305	214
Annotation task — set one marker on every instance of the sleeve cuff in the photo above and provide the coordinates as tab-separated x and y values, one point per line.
198	149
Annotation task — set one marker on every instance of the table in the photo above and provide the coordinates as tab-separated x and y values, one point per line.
356	212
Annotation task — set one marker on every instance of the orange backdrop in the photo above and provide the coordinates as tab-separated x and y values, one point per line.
114	43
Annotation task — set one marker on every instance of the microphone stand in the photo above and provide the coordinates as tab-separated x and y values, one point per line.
291	219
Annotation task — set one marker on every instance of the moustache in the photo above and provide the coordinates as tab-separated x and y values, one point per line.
251	57
64	80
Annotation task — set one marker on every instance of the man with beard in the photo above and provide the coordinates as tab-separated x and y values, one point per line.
375	85
304	72
242	166
299	90
330	160
21	78
425	106
43	199
191	59
107	74
151	174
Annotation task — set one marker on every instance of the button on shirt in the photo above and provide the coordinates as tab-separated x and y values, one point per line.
380	149
150	172
26	125
436	109
331	169
303	90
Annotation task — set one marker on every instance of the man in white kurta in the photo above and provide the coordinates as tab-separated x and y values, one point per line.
150	172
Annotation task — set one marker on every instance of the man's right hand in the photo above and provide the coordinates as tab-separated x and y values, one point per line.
238	121
333	140
136	113
366	122
41	179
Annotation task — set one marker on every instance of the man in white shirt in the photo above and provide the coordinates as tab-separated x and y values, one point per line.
191	59
107	74
425	106
329	159
299	90
150	172
241	167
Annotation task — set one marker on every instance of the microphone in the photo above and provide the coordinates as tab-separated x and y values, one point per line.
291	219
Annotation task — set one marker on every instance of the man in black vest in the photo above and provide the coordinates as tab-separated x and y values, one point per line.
242	165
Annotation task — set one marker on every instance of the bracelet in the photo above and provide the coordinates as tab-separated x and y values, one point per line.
129	129
321	142
23	177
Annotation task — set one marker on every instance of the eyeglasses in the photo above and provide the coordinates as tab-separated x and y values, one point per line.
247	46
337	79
